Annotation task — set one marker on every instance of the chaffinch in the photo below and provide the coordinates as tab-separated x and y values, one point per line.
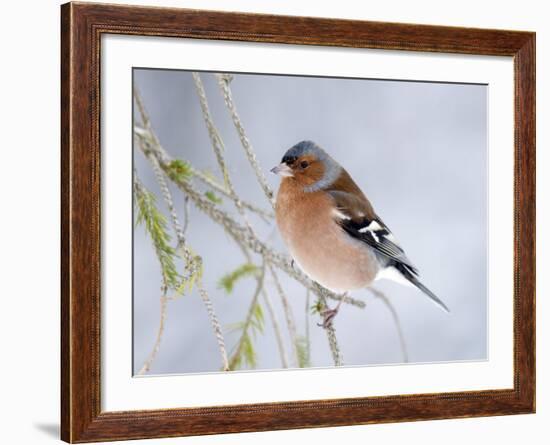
332	230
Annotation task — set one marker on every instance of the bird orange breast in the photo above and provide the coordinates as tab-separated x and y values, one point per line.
317	242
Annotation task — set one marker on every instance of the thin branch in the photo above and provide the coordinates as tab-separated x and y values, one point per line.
276	329
145	120
270	309
145	134
218	147
379	294
237	231
215	138
211	182
193	263
334	348
156	347
215	324
223	82
289	317
186	211
308	340
248	320
140	190
167	196
331	333
244	236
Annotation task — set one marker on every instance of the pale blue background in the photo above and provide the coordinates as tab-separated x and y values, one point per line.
418	150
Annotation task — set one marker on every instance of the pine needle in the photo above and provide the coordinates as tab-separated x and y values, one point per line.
228	281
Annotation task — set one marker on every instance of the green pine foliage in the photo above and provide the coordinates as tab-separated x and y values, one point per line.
194	269
302	352
156	226
317	308
228	281
244	354
257	319
211	196
179	171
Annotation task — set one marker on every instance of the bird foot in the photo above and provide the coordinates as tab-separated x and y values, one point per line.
328	316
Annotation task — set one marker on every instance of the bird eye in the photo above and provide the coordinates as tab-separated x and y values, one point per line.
304	164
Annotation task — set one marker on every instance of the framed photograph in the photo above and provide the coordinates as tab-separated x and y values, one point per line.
274	222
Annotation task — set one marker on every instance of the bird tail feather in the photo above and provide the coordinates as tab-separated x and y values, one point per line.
414	280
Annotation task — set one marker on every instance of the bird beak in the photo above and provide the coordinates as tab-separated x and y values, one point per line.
282	170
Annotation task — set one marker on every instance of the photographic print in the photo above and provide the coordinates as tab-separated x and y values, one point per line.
296	222
256	205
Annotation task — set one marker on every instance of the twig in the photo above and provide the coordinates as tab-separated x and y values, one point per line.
142	111
259	286
264	214
151	144
237	231
379	294
276	329
308	340
167	196
147	137
139	189
244	236
215	323
217	146
269	304
186	211
193	263
331	333
156	347
289	317
215	138
223	82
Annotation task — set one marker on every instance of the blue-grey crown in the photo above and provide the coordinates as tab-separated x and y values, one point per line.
304	148
332	168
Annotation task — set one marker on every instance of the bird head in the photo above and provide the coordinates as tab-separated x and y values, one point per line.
309	165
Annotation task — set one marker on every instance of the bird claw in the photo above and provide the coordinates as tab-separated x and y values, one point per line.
328	317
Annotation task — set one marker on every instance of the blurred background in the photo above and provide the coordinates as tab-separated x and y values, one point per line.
418	151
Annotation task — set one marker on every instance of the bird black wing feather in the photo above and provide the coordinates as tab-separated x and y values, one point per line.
356	217
376	235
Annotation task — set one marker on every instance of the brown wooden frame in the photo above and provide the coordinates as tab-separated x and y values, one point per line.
82	25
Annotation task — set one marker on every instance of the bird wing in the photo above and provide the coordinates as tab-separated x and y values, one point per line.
355	215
